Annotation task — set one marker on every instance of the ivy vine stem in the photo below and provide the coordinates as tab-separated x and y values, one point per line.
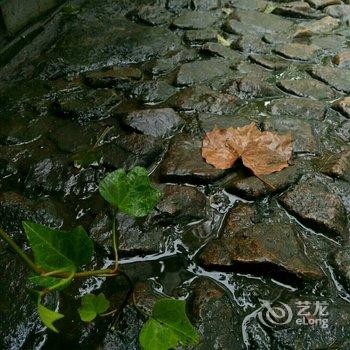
39	271
115	245
20	252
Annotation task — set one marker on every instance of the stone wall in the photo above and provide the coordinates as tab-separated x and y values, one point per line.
16	14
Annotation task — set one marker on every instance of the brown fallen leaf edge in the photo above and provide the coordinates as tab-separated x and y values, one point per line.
263	152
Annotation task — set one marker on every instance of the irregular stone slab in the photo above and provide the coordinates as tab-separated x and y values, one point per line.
49	175
109	78
328	43
313	203
182	203
252	188
154	15
323	3
222	51
236	27
18	324
324	25
85	106
214	316
252	87
307	88
184	162
298	107
16	15
251	70
201	98
208	122
296	51
303	137
338	11
268	248
124	335
177	6
167	64
82	48
154	91
338	166
250	5
201	36
137	238
205	5
155	122
342	59
298	9
341	264
71	137
127	151
277	38
194	20
343	106
251	43
15	208
201	71
335	77
263	22
269	61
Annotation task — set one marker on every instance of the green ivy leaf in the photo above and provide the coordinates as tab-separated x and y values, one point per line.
48	317
92	305
59	250
157	336
168	327
132	193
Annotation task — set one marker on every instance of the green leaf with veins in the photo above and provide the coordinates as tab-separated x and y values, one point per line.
92	305
132	192
59	250
168	327
48	317
156	336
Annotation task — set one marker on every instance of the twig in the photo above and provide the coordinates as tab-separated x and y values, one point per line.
20	252
269	185
103	135
115	246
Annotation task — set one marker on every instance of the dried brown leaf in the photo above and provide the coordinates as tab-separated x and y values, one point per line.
216	151
262	152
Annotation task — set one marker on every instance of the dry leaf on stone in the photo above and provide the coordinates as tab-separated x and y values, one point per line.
262	152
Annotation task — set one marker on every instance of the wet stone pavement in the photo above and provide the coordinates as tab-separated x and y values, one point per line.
122	83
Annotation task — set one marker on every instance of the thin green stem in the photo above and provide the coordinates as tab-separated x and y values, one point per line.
115	246
19	251
97	273
89	273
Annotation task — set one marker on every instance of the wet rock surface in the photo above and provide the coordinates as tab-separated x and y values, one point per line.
335	77
125	83
307	88
154	122
247	244
296	51
343	106
202	71
184	161
317	206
